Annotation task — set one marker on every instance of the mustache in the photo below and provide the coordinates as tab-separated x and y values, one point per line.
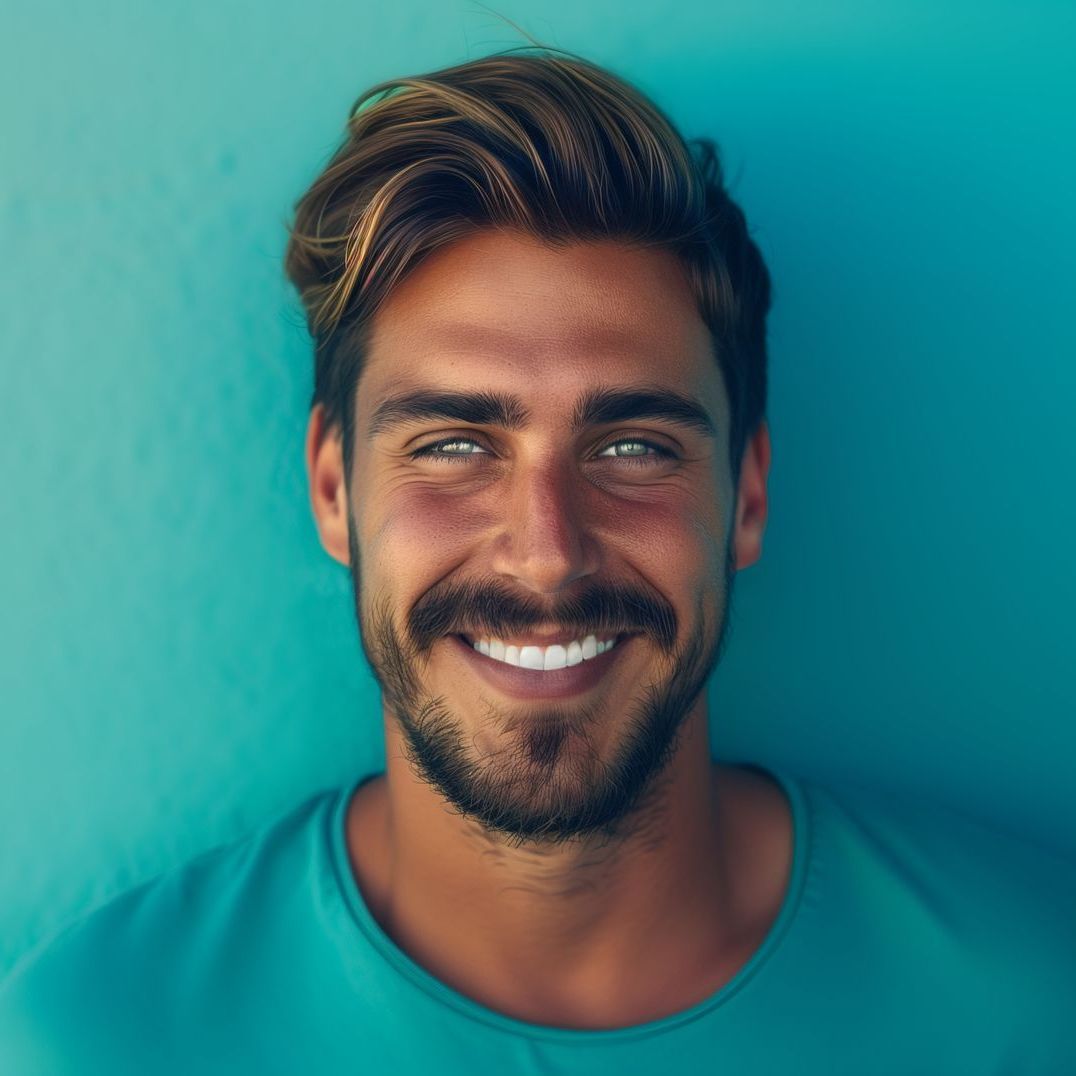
476	607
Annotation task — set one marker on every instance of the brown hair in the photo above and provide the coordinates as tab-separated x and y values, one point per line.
550	145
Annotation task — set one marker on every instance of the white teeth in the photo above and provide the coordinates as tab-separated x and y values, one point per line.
544	657
555	657
530	657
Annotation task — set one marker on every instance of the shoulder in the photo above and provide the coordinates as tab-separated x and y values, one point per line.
949	857
964	913
105	991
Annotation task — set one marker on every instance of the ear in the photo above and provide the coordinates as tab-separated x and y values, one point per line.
328	488
751	498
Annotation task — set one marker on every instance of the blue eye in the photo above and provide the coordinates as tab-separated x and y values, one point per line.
660	453
432	451
429	451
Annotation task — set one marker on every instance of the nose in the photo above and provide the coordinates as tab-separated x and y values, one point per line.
544	545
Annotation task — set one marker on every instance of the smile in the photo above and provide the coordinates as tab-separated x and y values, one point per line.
544	658
564	670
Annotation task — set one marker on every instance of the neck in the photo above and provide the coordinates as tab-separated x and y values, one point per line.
560	934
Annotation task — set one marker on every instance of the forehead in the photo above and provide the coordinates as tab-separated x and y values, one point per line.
501	311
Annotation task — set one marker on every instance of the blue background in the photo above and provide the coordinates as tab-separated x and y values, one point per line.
179	656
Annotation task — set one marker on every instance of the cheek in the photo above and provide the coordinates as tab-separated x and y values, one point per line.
681	543
422	527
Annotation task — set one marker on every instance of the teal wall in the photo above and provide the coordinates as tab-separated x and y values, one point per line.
179	657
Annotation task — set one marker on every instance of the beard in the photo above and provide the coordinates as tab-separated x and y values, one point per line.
545	780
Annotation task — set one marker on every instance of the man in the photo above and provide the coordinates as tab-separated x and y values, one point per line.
537	441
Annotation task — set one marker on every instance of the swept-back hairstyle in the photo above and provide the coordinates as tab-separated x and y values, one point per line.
545	143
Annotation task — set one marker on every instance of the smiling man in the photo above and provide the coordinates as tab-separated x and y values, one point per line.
543	528
537	441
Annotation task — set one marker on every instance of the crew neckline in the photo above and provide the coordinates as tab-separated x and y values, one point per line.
446	995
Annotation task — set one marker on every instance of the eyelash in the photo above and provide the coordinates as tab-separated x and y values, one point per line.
428	452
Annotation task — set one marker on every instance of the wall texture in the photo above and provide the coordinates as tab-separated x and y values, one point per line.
178	656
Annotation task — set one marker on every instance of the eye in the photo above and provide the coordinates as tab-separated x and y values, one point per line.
434	451
429	452
641	459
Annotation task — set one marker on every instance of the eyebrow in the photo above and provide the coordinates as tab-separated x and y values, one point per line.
595	407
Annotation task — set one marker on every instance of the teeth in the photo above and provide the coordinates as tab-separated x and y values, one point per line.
544	657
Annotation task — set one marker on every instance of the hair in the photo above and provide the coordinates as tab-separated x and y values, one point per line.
544	143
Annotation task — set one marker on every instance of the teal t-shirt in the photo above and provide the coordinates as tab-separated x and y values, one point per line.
911	940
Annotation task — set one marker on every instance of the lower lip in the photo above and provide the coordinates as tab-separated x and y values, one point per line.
536	684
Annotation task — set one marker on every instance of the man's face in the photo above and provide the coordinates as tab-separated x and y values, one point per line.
525	525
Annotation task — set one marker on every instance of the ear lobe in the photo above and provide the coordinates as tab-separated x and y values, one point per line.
327	487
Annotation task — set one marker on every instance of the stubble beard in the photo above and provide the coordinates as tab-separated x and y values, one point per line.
543	781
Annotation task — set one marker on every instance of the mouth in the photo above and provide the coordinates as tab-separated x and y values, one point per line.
551	683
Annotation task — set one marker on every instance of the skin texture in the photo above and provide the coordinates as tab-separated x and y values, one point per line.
578	862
